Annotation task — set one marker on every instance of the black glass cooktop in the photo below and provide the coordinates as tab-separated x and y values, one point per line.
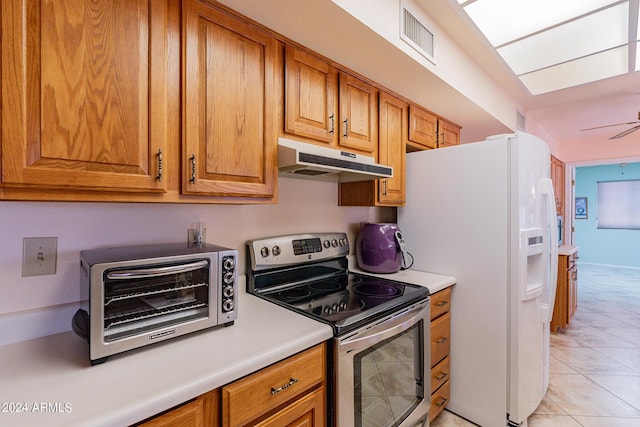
346	301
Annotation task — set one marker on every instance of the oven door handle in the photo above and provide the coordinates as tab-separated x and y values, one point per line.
141	273
392	326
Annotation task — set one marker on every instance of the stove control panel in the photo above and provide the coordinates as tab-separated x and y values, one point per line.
296	249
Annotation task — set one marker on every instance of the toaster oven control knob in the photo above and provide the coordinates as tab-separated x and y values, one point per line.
227	291
327	244
228	263
228	277
276	250
227	305
264	252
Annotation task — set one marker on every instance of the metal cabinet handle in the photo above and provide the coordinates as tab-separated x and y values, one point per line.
442	340
443	400
291	382
193	168
159	156
384	187
333	123
346	128
442	303
441	375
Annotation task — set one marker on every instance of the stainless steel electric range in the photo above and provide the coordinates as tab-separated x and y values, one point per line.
379	358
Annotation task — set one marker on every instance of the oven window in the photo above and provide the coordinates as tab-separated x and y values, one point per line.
388	380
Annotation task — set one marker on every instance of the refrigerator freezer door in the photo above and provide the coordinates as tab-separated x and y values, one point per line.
530	169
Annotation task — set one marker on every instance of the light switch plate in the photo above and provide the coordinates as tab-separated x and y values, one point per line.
39	256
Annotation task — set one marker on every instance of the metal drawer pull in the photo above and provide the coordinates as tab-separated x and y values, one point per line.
441	340
441	375
442	402
292	381
442	303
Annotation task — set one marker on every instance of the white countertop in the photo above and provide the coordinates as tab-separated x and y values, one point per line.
567	250
130	387
434	282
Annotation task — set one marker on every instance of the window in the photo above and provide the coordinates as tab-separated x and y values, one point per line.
619	204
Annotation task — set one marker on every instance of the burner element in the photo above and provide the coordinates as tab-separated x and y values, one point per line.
380	290
294	293
325	286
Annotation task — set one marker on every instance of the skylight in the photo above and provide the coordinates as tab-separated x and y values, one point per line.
551	44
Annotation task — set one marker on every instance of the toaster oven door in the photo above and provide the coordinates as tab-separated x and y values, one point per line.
138	304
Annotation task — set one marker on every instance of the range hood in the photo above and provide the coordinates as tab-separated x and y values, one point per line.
303	160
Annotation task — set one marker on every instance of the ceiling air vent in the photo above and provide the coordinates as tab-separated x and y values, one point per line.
417	35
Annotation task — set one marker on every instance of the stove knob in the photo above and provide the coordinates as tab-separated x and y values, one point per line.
264	252
343	305
326	244
334	243
327	309
334	307
276	250
343	242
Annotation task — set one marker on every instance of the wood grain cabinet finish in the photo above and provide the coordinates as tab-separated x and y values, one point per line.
566	302
200	412
328	106
440	305
84	94
311	88
392	152
557	177
231	75
428	131
278	392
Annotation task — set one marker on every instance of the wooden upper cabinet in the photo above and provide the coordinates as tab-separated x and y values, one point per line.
423	129
392	149
84	94
427	131
328	106
311	102
448	134
358	115
231	87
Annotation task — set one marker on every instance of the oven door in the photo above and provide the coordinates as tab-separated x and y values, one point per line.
381	371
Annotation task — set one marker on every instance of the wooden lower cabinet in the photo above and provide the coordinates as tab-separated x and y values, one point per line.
440	346
566	302
289	393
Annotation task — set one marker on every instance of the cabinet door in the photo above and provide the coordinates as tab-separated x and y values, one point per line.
230	75
423	129
358	115
392	149
308	411
188	415
311	97
449	134
84	94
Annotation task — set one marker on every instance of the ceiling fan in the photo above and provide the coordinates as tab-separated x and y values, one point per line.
623	133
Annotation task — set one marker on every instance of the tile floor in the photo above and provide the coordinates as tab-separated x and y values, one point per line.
595	363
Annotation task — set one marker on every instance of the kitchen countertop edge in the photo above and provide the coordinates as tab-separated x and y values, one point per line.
136	385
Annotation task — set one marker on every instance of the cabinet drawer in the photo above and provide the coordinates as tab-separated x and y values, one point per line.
252	396
439	400
440	303
440	374
440	338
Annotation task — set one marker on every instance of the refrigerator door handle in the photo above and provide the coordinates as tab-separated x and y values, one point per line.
546	187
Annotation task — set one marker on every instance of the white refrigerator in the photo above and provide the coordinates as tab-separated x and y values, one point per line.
485	213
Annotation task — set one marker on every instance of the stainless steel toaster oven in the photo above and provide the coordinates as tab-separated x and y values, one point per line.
141	295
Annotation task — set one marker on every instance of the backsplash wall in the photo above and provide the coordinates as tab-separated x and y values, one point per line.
302	206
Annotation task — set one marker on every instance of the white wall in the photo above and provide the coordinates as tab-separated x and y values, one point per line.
40	305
